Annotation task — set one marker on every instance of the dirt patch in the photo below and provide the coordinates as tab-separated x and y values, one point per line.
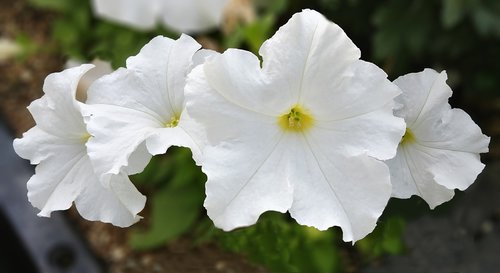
179	256
21	81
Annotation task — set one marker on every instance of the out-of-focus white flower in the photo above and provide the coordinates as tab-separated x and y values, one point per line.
303	133
440	149
187	16
137	112
191	16
8	49
64	173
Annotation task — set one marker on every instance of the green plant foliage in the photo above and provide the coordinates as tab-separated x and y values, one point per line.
57	5
284	246
81	36
177	191
461	36
28	46
486	19
173	213
385	239
409	34
252	35
454	11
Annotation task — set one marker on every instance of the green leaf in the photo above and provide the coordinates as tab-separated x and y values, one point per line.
284	246
387	238
255	34
28	46
274	7
174	210
392	242
177	187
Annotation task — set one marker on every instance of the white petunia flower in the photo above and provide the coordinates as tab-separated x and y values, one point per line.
187	16
301	133
440	149
64	173
137	112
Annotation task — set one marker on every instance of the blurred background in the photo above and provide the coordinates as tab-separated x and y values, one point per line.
38	37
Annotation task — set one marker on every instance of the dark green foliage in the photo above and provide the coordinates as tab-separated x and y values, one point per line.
385	239
251	36
84	37
177	191
283	246
460	36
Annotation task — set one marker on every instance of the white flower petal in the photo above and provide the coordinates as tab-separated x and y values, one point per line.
59	104
186	134
454	130
425	94
375	133
66	176
141	14
130	109
240	168
442	152
64	173
153	81
202	55
37	145
162	65
403	183
452	169
55	184
358	113
247	87
224	122
58	117
61	86
190	16
410	176
244	184
200	104
312	49
118	205
118	136
45	110
69	178
333	190
138	159
125	89
361	88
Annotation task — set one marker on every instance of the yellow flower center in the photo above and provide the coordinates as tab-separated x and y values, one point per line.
408	137
173	122
86	137
297	119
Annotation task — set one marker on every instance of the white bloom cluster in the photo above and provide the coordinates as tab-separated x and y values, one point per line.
312	130
186	16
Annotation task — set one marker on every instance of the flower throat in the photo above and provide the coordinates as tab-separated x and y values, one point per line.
297	120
